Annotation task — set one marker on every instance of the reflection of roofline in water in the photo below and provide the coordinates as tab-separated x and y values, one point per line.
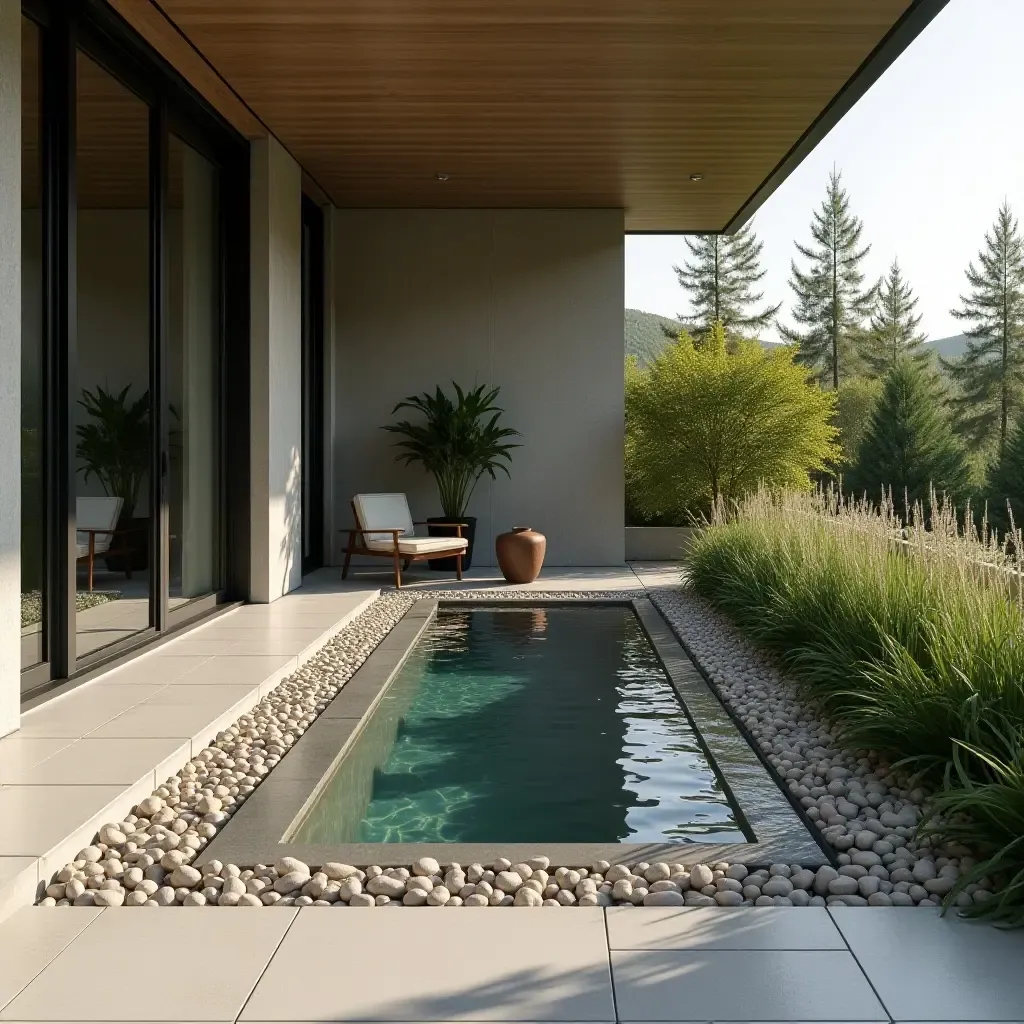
492	732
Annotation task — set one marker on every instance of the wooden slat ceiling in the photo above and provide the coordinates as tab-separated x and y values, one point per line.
539	102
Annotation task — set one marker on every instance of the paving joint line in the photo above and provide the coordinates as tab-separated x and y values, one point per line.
611	969
53	959
266	966
867	977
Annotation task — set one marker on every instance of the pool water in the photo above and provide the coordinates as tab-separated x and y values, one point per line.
526	725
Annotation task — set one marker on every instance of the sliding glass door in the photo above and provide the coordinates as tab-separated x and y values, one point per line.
113	444
192	399
129	322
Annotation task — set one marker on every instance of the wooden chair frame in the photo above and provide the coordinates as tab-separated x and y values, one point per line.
401	560
91	554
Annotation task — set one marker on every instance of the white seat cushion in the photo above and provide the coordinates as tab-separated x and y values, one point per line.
420	545
380	512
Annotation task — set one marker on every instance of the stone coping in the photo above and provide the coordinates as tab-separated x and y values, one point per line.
257	833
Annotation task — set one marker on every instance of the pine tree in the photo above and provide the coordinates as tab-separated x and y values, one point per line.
832	303
990	374
1007	481
894	324
909	445
720	280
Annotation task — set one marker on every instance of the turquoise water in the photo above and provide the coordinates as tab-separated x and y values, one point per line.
526	725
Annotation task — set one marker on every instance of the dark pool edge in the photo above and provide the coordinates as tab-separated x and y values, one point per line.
703	703
254	834
819	840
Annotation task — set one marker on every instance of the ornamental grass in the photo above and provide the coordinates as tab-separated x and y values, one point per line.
908	634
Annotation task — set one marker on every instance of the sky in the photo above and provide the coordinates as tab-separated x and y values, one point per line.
927	155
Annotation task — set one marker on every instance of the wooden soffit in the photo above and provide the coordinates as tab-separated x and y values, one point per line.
538	103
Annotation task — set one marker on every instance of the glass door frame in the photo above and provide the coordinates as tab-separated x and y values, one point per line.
66	28
313	285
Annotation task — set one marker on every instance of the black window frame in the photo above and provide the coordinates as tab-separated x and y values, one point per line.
313	291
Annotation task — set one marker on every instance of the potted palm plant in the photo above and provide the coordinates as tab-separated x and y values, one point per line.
113	446
457	441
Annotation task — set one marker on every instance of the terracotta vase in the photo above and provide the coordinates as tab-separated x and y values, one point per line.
521	554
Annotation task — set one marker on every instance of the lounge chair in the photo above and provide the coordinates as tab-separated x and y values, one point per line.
385	529
96	526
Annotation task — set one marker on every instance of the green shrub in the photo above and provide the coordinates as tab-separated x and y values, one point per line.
704	422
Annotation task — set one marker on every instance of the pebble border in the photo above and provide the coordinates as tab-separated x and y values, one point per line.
862	808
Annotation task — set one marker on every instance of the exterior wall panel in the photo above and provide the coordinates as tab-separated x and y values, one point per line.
528	300
10	366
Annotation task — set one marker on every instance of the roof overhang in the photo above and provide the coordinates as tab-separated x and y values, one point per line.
539	103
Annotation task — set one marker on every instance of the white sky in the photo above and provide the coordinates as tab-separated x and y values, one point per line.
927	156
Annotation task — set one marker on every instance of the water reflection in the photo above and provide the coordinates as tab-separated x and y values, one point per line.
527	725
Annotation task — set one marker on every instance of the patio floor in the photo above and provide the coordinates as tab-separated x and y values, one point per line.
581	964
99	747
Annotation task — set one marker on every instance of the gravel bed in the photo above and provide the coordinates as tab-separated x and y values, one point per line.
153	856
32	603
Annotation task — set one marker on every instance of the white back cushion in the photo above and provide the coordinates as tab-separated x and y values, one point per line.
97	514
382	511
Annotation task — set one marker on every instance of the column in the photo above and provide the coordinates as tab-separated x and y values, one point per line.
276	372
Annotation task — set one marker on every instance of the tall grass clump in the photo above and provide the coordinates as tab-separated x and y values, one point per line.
909	634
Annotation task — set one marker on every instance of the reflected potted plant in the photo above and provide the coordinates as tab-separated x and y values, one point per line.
113	446
457	442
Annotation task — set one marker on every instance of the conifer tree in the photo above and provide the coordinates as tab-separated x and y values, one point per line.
720	280
832	302
894	324
909	445
990	374
1007	481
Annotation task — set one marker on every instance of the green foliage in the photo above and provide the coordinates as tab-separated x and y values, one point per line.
457	442
1006	485
832	303
893	332
908	645
857	399
990	375
114	446
646	334
703	423
720	280
982	805
909	445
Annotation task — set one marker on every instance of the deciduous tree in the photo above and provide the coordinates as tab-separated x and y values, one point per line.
703	423
857	399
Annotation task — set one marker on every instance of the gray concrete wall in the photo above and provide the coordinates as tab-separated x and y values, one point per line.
276	373
530	300
10	365
658	543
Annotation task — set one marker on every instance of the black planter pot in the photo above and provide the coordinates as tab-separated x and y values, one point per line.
131	544
468	531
